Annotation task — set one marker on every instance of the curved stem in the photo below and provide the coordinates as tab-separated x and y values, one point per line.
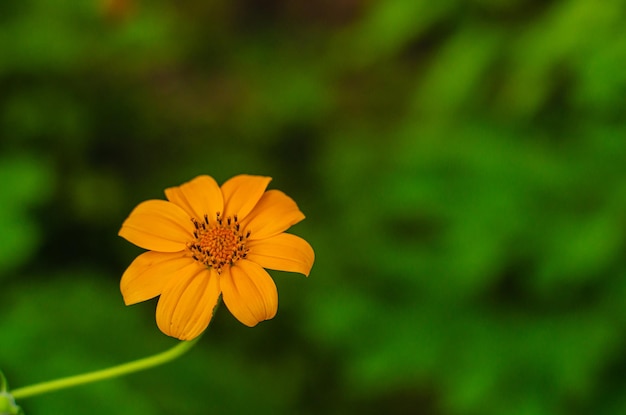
115	371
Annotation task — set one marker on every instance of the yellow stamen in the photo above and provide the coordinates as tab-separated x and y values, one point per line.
218	243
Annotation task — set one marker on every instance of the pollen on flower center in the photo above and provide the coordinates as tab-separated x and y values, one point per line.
218	243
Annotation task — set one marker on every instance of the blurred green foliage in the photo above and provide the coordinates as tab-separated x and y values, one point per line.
462	166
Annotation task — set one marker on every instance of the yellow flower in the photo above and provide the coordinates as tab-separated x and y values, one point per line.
207	240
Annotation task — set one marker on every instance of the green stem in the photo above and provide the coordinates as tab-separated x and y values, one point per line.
112	372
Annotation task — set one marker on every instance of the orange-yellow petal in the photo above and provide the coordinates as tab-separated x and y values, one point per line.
149	273
158	225
249	292
283	252
198	197
274	214
186	305
241	193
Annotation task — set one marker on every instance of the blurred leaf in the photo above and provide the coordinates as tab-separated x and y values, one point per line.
24	182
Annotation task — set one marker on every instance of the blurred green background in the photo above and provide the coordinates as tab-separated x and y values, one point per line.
462	166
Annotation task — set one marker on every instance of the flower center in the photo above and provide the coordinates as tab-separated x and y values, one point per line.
218	243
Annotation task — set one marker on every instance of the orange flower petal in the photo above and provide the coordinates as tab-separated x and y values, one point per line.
274	214
186	305
283	252
241	193
249	292
158	225
148	274
198	197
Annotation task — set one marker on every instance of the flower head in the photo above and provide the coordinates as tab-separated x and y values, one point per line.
207	240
